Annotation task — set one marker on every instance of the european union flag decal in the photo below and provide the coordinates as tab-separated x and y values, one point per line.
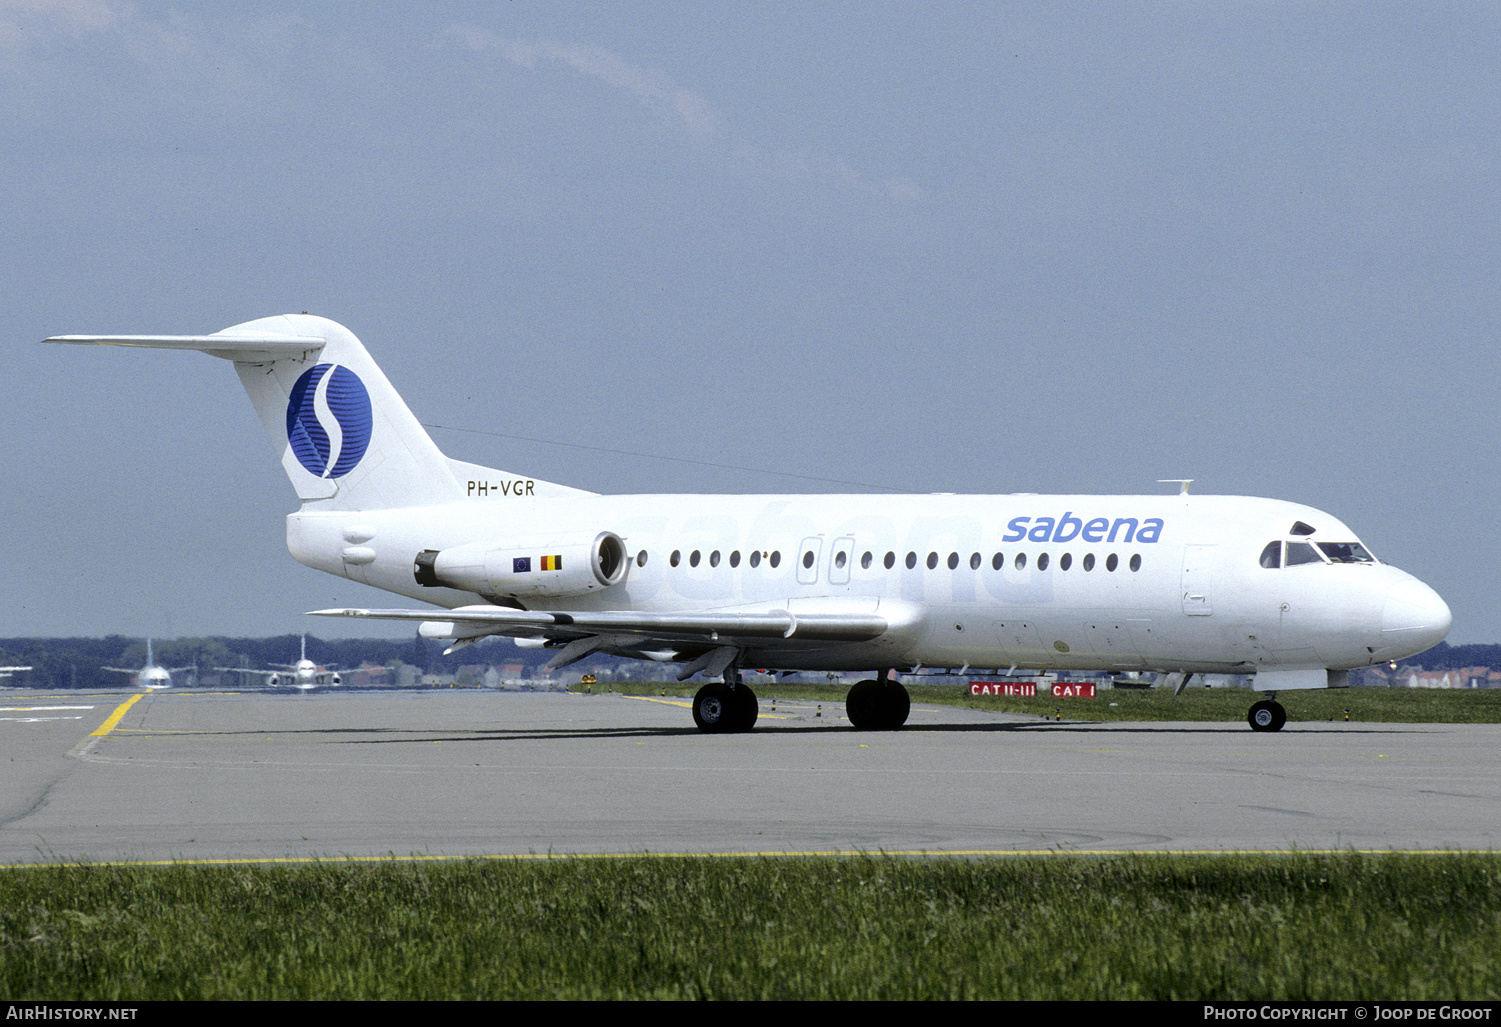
521	565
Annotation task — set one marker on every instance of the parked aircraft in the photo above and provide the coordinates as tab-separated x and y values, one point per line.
150	676
1182	583
303	675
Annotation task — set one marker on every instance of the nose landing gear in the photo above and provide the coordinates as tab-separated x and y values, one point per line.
1267	715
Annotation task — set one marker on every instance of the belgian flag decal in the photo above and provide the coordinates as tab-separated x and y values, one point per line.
552	563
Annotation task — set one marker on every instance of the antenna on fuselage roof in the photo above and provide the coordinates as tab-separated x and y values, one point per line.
1183	484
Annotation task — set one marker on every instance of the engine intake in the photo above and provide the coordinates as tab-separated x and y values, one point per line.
544	567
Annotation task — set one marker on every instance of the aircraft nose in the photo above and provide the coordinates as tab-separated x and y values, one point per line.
1414	618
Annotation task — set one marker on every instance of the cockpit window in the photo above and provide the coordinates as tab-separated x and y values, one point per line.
1271	556
1301	552
1345	552
1299	528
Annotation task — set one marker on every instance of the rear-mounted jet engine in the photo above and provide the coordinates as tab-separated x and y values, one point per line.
528	568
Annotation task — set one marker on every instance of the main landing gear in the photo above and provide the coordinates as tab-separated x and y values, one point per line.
879	705
720	708
730	707
1267	715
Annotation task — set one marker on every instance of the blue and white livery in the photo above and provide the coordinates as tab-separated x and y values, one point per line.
1181	584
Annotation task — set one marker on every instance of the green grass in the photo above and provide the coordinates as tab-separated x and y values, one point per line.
1370	705
863	927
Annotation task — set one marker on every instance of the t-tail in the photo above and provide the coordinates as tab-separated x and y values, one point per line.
345	437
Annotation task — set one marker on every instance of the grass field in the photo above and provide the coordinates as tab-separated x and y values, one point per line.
1371	705
864	927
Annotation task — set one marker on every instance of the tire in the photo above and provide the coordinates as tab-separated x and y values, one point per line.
747	709
715	709
899	704
862	705
877	706
1266	715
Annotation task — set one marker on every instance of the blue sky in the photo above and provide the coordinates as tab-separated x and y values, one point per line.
1034	247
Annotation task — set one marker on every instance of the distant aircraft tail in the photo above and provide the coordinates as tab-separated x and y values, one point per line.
347	440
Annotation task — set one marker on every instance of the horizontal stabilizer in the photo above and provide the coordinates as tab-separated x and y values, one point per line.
247	348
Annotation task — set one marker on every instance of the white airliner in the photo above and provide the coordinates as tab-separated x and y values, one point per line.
1181	584
150	676
303	675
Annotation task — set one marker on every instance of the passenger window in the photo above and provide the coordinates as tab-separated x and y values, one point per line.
890	560
911	560
755	558
735	558
866	560
693	559
1089	561
1111	563
1021	561
776	557
1065	562
1042	561
1271	556
714	558
953	561
1136	562
641	558
932	560
974	561
997	561
808	558
676	558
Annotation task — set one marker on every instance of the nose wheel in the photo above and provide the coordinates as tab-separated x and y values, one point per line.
1267	715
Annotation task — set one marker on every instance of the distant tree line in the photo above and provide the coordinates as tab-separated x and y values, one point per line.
1452	657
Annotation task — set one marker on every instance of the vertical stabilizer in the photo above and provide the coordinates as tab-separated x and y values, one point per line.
346	439
344	435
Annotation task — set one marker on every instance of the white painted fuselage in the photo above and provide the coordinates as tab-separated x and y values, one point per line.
1065	582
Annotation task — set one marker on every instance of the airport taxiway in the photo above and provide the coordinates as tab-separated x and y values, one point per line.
253	775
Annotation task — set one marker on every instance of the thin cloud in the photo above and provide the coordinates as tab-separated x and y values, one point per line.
696	114
24	22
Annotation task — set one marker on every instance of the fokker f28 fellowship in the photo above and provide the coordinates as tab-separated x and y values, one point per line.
1181	584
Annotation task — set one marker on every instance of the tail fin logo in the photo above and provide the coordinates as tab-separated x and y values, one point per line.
328	420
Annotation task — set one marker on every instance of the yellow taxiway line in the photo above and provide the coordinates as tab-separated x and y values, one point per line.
114	718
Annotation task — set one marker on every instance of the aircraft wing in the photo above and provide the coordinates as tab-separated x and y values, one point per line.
583	632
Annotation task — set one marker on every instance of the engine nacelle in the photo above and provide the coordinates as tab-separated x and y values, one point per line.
542	567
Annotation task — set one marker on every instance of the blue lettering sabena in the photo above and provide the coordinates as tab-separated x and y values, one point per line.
1097	529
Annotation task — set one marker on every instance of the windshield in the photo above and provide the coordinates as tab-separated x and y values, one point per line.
1300	552
1345	552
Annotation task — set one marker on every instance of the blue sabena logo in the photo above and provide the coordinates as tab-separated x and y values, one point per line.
328	420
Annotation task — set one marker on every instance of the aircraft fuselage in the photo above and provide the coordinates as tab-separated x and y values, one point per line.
1060	582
